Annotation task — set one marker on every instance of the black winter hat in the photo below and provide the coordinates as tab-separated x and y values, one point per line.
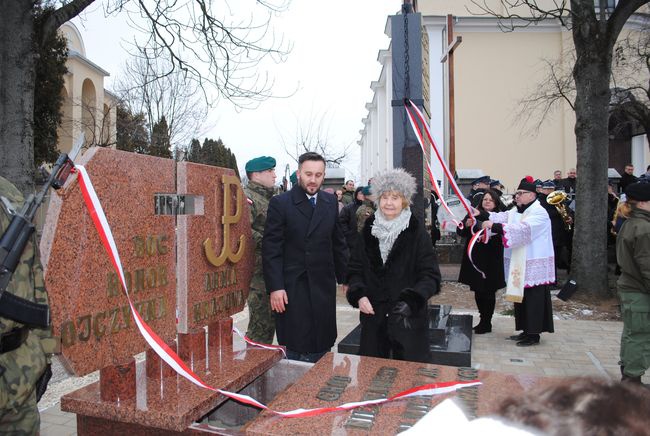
638	191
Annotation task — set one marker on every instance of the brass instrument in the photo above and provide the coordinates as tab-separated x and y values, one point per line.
557	199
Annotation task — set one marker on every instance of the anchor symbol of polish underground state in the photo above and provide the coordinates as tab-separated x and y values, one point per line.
227	219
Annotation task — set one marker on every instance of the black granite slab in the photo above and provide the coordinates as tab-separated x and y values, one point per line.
450	338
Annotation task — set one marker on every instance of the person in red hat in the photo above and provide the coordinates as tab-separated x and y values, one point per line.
529	261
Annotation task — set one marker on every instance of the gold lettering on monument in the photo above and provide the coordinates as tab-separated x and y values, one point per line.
143	278
227	220
110	321
220	279
221	304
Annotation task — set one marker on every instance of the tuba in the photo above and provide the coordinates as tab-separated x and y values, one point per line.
557	198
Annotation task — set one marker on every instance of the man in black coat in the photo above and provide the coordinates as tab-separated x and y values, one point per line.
561	234
304	254
627	178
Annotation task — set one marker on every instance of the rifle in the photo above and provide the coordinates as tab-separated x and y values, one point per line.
12	245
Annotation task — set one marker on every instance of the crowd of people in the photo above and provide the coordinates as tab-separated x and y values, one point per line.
366	239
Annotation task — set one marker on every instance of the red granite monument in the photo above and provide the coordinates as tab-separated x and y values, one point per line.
184	238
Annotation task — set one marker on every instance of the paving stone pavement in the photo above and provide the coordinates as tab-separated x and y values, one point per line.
577	348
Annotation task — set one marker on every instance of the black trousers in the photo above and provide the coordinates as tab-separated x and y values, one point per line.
485	303
534	314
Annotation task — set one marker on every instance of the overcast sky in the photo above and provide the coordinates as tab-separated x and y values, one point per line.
332	62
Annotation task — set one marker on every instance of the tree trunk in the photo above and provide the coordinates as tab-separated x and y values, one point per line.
592	75
17	93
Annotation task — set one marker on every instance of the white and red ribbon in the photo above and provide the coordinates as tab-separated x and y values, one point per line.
410	106
259	344
171	358
470	246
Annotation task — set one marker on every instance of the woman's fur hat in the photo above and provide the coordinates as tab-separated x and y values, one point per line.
397	180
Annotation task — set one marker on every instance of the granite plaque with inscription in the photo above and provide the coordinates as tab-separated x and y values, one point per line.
88	308
215	248
341	378
183	234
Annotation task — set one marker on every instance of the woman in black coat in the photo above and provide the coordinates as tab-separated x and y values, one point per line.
489	259
393	271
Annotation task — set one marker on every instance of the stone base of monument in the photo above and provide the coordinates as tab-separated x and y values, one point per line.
450	337
341	378
148	397
232	415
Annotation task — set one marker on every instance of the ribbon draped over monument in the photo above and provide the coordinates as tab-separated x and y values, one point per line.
170	357
412	112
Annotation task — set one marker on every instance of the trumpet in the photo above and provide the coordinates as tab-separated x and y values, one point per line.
557	199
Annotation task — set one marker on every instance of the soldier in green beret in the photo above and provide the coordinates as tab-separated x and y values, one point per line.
24	349
293	178
261	187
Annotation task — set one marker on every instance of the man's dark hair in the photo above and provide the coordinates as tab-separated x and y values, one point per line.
310	155
648	169
348	181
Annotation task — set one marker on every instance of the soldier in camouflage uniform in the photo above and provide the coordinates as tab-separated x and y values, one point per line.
366	209
24	350
260	189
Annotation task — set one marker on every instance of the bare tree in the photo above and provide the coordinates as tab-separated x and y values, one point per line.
313	135
200	38
146	86
595	27
95	123
631	78
630	84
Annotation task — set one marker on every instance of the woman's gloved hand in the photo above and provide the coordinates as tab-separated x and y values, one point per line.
403	312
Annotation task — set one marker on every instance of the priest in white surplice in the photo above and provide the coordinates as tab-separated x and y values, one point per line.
529	261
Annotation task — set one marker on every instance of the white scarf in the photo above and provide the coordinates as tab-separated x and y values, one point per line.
387	231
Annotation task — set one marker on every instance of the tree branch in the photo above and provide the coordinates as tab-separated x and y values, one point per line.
65	13
622	12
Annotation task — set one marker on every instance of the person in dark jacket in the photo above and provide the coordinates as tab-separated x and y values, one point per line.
479	186
304	254
393	271
348	218
633	255
562	236
627	178
569	184
489	259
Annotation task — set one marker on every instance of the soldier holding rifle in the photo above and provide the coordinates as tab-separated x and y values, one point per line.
25	334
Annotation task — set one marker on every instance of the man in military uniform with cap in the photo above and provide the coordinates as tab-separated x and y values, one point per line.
24	349
479	186
496	186
261	187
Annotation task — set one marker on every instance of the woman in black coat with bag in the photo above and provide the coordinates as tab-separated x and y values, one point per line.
489	259
393	271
